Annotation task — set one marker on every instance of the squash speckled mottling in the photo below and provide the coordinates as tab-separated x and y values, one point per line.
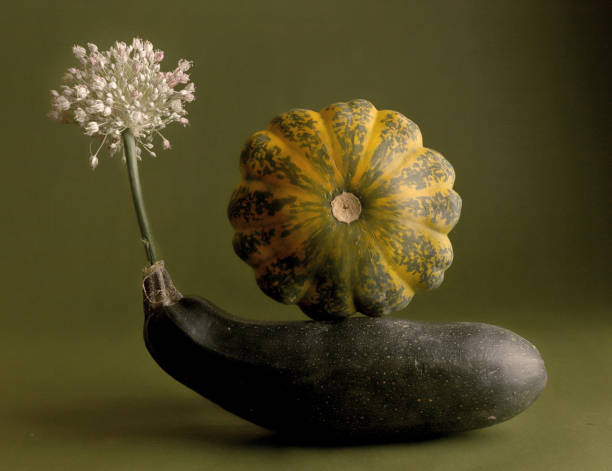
301	253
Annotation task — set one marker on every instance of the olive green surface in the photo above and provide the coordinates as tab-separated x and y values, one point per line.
514	94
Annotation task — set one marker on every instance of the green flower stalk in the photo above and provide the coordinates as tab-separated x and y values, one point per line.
143	222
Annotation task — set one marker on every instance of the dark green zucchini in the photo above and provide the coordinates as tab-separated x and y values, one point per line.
349	379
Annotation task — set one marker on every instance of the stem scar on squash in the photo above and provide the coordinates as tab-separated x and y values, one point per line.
346	207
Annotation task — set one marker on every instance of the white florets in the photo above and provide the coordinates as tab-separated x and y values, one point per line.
123	88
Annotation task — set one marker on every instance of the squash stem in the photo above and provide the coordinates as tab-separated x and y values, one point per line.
129	147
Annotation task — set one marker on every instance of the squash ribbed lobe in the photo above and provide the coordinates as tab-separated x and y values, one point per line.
284	220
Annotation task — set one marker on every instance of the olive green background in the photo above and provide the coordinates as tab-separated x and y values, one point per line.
515	95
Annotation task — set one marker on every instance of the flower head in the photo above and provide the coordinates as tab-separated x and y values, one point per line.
123	89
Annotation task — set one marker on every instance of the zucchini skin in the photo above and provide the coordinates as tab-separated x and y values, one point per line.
359	378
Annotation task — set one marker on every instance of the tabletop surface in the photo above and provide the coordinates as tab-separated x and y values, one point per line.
90	399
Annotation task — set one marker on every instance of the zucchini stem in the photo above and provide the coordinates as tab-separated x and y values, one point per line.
129	147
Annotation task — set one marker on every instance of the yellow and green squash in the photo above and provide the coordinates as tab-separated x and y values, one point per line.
344	211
